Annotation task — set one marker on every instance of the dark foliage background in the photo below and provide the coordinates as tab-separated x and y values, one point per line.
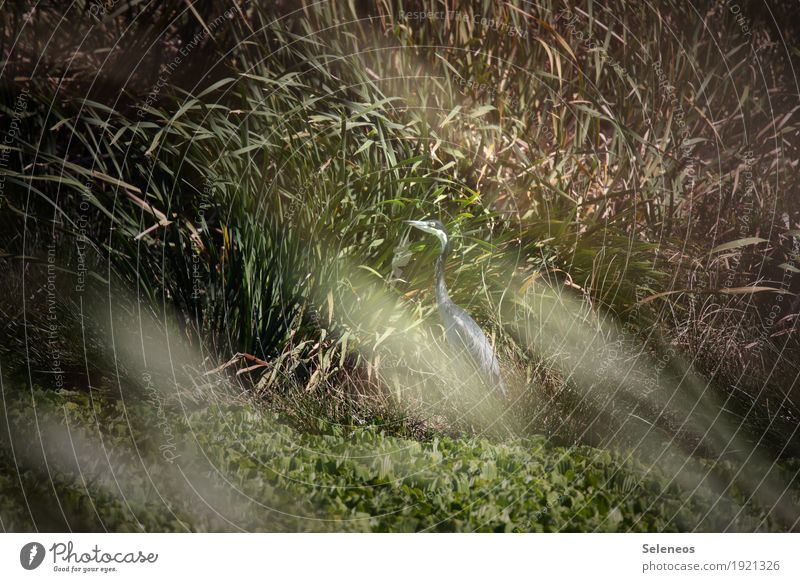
187	182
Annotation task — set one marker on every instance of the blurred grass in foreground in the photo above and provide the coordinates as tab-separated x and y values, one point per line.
259	211
235	468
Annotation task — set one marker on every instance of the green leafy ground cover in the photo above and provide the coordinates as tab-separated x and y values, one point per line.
232	467
260	210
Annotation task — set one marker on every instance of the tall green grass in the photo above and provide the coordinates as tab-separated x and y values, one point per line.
260	210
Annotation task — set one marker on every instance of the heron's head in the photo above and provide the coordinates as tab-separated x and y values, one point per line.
433	227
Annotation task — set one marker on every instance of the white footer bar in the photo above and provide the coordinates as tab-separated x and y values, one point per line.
401	557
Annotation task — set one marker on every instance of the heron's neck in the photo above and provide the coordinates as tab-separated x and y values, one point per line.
441	288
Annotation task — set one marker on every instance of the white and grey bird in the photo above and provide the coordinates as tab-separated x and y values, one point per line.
465	337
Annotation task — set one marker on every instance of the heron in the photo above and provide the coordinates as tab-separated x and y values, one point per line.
465	337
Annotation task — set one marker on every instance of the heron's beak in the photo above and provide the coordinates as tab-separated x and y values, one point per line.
424	227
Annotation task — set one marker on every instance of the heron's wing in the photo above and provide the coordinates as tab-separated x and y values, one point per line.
467	338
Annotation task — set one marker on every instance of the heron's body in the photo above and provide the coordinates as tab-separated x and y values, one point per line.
467	340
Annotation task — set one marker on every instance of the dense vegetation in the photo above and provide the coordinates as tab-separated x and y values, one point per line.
268	476
231	180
